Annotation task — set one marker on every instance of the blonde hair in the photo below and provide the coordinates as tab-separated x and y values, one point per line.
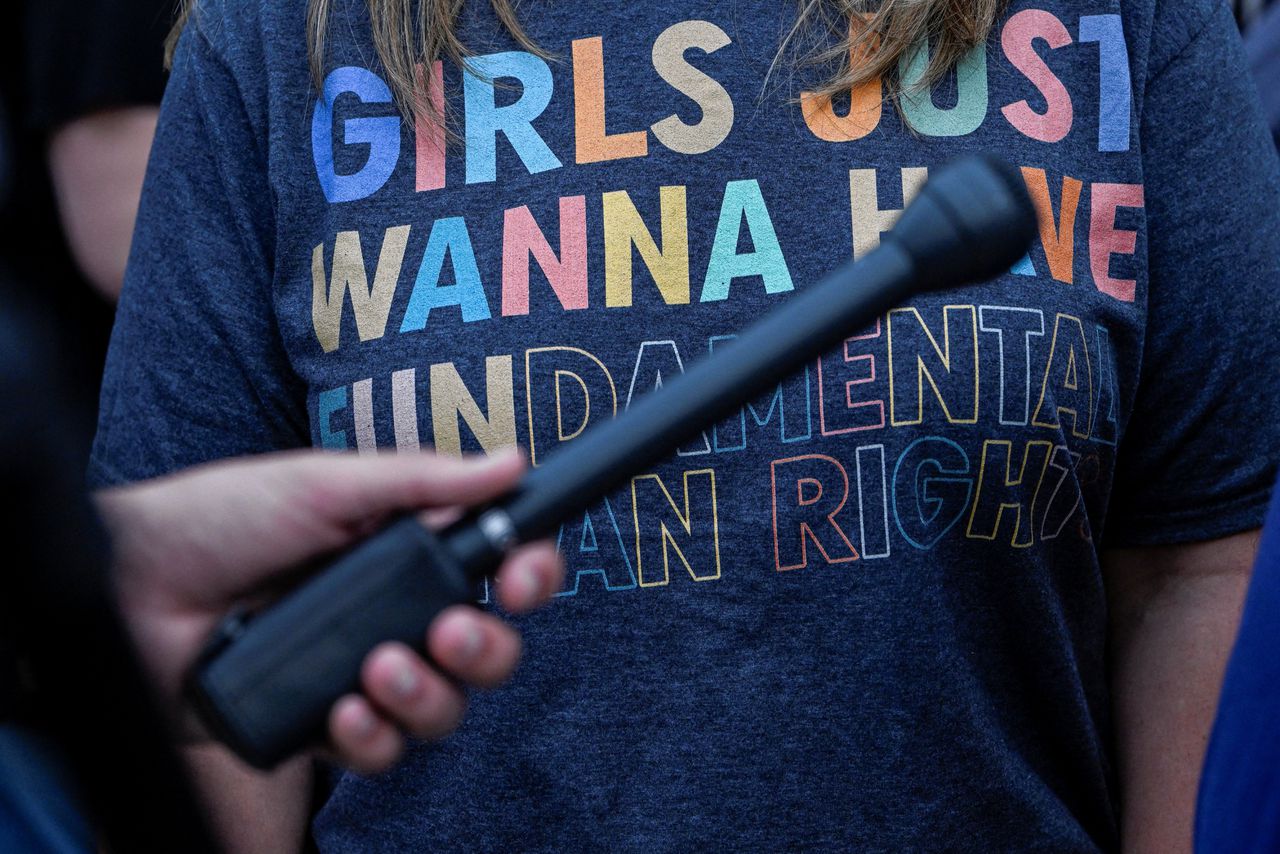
859	40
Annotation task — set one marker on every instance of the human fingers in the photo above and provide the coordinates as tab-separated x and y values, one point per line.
474	647
281	510
360	738
346	486
409	693
529	577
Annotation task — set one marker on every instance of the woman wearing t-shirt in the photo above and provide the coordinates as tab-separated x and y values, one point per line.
965	583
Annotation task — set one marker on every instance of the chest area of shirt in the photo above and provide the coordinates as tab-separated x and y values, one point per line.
598	224
648	168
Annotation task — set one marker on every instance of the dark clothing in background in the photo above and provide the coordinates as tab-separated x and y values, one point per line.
77	693
60	60
53	538
87	712
1247	12
118	51
1239	809
1239	804
79	709
5	154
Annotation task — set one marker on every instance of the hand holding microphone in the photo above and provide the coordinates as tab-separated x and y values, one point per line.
268	680
189	546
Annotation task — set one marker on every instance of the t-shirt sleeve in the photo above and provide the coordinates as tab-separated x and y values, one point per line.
196	369
1199	455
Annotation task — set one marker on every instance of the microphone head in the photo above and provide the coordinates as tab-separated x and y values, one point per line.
972	221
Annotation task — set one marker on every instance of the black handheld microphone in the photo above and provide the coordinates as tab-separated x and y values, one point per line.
266	681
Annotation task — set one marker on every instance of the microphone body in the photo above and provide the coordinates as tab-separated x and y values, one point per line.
266	682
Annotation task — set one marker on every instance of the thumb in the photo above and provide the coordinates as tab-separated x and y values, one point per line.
319	501
347	489
237	525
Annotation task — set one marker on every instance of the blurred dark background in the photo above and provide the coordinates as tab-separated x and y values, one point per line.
80	86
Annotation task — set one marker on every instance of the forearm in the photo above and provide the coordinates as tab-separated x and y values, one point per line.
1175	613
252	812
97	164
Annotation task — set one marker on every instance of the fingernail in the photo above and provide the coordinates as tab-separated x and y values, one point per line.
363	722
470	641
405	681
527	584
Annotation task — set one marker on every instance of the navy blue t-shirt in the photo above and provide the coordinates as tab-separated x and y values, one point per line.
867	611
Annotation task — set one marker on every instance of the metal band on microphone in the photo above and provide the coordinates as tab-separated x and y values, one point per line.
498	529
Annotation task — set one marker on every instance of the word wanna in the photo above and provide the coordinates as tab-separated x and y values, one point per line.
486	120
743	214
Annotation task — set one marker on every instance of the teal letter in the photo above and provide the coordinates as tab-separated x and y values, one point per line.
1024	267
742	200
971	99
329	402
485	119
599	551
447	235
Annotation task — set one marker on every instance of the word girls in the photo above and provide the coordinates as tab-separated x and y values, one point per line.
1029	40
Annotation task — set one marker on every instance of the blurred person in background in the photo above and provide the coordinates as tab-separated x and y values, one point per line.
1239	799
100	620
1247	12
80	84
82	80
1261	28
97	113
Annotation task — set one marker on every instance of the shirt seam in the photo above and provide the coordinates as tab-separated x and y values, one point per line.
1200	28
1247	501
103	475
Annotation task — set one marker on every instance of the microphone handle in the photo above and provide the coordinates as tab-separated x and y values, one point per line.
265	682
810	323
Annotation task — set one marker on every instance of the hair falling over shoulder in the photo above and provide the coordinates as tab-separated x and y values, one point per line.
858	40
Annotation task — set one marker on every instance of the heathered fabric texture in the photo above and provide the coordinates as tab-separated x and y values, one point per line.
867	613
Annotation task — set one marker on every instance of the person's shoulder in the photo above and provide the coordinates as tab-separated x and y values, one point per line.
260	44
1157	31
1175	23
233	27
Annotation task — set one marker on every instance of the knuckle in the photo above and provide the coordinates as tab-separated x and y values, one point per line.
438	715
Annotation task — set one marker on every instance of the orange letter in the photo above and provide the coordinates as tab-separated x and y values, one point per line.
594	145
1058	239
865	103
